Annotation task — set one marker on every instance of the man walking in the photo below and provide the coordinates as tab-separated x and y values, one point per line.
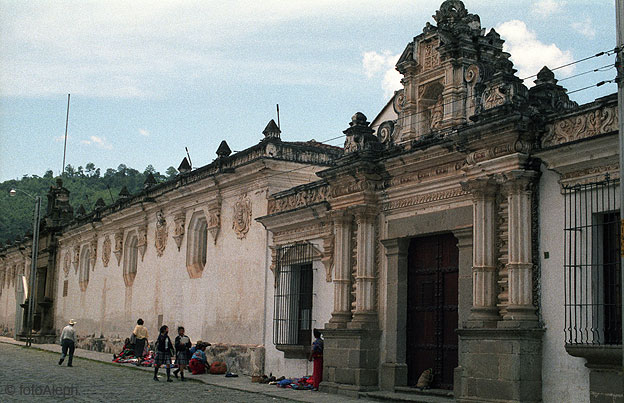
68	342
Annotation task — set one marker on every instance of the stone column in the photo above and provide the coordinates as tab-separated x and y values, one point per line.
394	368
342	269
518	187
484	311
365	273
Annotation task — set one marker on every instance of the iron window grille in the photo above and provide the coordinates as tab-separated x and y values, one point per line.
592	270
292	318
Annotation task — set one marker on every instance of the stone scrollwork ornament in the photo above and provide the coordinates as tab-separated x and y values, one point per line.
178	229
118	246
106	251
328	256
160	241
241	219
214	222
142	241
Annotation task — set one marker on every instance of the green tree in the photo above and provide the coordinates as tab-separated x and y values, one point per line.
171	173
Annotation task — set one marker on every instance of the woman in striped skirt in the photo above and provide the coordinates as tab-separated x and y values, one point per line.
182	345
164	351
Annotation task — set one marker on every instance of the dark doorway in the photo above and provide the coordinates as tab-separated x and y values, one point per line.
432	308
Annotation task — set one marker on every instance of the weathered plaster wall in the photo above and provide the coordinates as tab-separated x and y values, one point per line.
224	305
564	378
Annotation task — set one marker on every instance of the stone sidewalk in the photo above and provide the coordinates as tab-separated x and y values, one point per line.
241	383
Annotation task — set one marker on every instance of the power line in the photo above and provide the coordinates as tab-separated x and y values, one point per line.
603	53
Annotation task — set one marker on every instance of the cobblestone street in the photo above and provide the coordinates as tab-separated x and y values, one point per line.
26	373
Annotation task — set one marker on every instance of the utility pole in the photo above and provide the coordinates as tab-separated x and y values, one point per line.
619	60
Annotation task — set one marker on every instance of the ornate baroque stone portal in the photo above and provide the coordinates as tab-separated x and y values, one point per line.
241	219
160	241
106	251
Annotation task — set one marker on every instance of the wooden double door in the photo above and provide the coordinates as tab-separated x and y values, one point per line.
432	309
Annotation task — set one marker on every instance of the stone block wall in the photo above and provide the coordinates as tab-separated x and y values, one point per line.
502	365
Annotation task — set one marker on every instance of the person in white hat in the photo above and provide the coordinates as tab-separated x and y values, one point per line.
68	342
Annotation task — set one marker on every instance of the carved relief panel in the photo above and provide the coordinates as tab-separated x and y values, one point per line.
106	251
429	55
67	262
76	258
178	230
160	240
241	219
214	221
118	251
93	252
142	241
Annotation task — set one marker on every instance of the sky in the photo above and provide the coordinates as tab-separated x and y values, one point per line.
149	78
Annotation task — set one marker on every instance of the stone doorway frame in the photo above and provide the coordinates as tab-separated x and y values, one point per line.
458	221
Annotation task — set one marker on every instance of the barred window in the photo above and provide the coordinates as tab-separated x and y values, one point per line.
592	270
292	319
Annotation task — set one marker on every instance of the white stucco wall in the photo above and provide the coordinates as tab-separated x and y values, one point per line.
322	305
224	305
564	378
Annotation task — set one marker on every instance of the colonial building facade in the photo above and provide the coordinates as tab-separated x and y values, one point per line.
470	231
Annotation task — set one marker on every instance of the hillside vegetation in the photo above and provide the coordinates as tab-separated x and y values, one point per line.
86	185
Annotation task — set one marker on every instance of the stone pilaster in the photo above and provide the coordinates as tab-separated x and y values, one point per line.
394	369
518	186
365	274
484	311
342	266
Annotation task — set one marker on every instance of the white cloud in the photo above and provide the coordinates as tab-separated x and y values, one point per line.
376	63
529	54
546	8
144	132
585	28
97	141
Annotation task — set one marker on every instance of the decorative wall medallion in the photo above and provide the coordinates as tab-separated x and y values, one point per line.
76	259
67	262
93	252
242	216
178	229
142	241
118	251
106	251
214	222
493	97
160	240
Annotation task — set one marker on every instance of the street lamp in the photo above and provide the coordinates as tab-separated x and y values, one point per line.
33	266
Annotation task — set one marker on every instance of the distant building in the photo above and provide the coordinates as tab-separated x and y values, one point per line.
471	230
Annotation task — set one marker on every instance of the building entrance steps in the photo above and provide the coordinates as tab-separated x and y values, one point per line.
406	394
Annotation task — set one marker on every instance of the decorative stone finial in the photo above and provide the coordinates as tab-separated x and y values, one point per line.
450	11
185	166
124	193
547	96
223	150
149	181
545	76
59	182
359	134
99	203
81	210
271	130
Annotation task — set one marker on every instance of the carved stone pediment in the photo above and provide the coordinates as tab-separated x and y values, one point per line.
241	220
142	241
118	251
299	199
178	230
160	240
106	251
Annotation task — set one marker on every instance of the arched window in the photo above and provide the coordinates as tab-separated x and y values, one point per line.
83	275
197	244
131	257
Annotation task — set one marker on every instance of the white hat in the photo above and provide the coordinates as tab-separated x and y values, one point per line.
72	322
